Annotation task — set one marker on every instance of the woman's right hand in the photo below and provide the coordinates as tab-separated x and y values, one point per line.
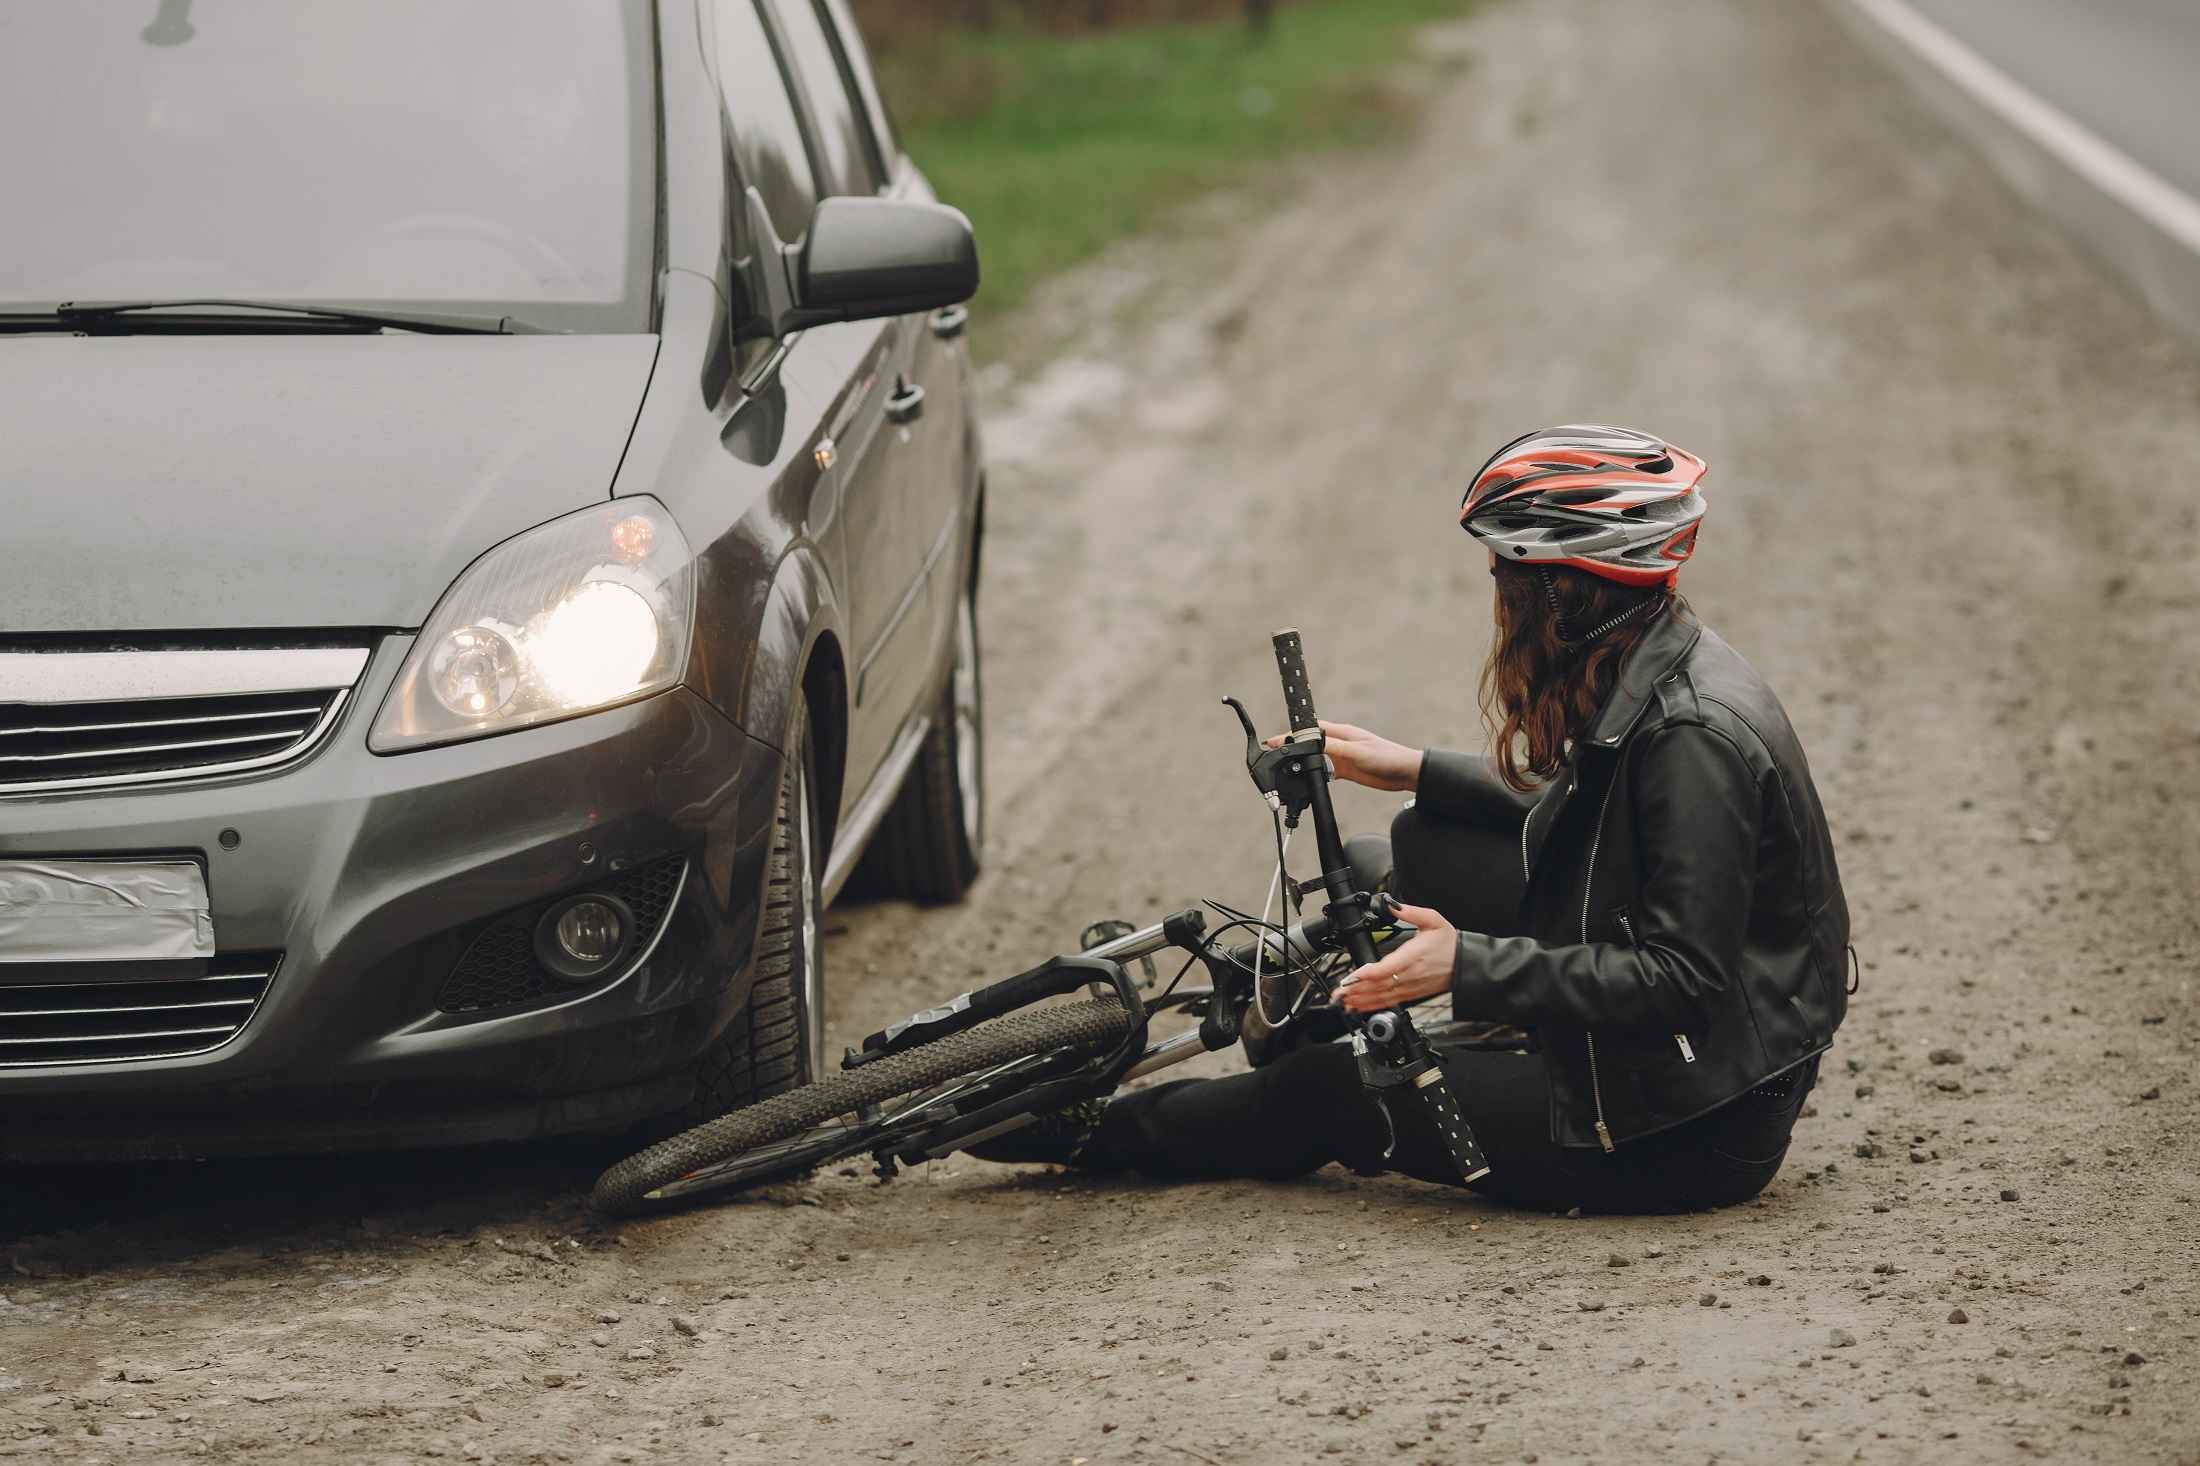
1368	758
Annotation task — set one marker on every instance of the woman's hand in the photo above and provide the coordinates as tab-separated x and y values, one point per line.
1367	758
1420	968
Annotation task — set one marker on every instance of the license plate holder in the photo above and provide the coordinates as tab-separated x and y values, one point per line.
74	909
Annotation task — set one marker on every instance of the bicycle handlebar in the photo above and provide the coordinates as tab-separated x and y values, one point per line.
1298	693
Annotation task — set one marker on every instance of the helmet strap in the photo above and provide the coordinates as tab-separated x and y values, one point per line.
1565	627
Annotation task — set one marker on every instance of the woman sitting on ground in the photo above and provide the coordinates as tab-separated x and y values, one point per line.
1641	878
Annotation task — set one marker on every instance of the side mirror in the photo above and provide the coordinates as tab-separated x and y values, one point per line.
866	258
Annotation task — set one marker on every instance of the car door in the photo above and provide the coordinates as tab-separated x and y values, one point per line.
849	370
937	481
901	470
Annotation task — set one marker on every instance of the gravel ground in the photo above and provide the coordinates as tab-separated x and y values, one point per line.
1954	523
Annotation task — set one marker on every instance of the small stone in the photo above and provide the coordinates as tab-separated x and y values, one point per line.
686	1323
1841	1339
2134	1358
2152	1094
553	1381
1619	1259
1918	1157
1592	1306
641	1351
1653	1251
605	1315
1866	1090
712	1417
1708	1300
1948	1084
2119	1381
1957	1315
1866	1149
1945	1056
2008	1193
1279	1353
1760	1281
600	1339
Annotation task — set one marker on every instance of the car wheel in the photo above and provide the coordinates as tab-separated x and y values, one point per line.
778	1041
929	844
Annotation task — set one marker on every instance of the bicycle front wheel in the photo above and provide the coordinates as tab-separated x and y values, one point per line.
796	1132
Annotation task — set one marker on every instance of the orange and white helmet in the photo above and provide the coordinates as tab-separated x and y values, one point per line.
1611	501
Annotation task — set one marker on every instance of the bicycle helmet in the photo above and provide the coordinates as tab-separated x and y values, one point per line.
1611	501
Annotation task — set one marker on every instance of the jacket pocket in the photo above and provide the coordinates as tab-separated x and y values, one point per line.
1625	916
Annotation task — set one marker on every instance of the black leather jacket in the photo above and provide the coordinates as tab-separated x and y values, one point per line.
1685	935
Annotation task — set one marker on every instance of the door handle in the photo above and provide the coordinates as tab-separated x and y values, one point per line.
948	321
907	403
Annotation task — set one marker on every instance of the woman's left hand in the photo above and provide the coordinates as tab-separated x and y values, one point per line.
1419	968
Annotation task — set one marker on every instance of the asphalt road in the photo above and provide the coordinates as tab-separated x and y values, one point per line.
1953	523
2129	70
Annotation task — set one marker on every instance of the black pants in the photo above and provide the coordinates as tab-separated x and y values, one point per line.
1308	1109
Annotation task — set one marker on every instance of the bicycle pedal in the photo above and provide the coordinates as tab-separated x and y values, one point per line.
1100	933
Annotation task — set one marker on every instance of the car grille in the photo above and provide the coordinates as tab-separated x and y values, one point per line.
71	1020
123	742
77	720
499	969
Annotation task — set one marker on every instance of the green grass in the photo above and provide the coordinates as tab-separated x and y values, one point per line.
1057	145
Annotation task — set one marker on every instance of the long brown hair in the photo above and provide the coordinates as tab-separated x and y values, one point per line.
1542	685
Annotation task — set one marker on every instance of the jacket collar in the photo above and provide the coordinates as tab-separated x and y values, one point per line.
1669	638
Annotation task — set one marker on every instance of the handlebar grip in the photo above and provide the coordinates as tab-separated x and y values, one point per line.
1451	1125
1298	695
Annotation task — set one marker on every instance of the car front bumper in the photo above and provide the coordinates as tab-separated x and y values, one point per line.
372	876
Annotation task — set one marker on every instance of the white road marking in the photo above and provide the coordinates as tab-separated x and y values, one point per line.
2091	157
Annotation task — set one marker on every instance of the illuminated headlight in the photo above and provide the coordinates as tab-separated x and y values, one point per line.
588	611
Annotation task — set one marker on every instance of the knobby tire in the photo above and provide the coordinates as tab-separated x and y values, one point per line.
1093	1027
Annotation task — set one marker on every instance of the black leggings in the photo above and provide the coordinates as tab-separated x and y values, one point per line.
1308	1109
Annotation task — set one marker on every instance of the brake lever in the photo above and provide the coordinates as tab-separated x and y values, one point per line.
1253	749
1282	774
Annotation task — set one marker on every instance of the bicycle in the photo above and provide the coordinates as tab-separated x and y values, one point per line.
989	1061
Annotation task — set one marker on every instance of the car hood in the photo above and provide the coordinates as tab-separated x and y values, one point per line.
215	483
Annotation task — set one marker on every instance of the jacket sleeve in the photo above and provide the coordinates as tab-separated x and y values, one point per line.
1465	787
1697	811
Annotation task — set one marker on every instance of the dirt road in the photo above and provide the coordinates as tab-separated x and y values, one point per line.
1956	515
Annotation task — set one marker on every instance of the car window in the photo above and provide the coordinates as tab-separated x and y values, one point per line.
858	61
845	151
491	158
767	140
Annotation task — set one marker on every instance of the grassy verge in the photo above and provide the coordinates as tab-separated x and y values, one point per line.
1057	145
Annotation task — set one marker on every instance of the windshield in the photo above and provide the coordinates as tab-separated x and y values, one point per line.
490	156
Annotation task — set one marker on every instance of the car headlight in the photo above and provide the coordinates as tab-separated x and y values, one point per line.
587	611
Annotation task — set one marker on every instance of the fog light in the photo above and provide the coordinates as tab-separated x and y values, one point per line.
584	937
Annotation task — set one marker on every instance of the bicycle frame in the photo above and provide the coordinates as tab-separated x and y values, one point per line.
1294	777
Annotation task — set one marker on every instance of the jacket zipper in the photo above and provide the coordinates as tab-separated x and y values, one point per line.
1588	885
1688	1052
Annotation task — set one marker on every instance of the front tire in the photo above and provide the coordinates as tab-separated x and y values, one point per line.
928	847
777	1043
839	1116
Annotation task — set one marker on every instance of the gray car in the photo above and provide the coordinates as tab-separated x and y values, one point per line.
493	513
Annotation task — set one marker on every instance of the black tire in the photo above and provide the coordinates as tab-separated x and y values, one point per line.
777	1041
928	847
1093	1026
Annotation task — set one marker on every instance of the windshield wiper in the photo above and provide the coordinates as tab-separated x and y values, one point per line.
239	317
